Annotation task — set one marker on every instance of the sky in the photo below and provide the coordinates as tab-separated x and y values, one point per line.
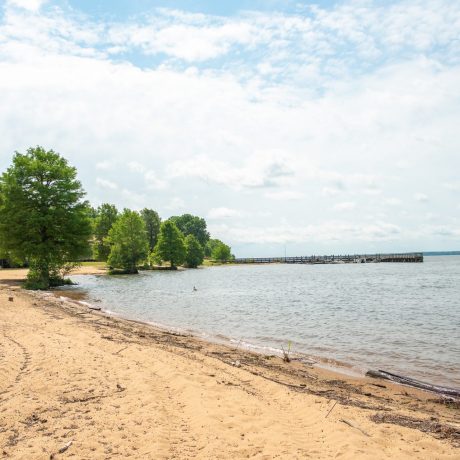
320	127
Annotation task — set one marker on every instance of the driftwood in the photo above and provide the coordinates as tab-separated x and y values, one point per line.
447	391
354	425
64	448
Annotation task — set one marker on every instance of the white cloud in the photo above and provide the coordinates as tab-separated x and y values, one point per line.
104	183
393	201
32	5
262	169
347	104
134	166
133	199
452	186
223	213
421	197
325	232
175	204
285	195
153	181
345	206
104	165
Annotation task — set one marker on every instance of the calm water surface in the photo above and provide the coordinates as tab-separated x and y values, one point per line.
403	318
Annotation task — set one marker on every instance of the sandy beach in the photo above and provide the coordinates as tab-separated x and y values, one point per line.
98	387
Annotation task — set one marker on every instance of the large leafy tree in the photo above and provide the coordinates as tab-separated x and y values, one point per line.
128	242
210	245
152	224
106	215
43	218
170	246
192	225
221	252
194	253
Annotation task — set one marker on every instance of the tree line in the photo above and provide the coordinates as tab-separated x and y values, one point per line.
46	224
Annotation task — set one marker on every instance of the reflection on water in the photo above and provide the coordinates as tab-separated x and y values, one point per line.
399	317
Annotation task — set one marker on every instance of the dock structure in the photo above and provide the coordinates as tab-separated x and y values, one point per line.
411	257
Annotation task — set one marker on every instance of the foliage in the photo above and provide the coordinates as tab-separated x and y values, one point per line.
155	258
194	253
218	250
105	216
128	242
43	218
192	225
170	246
221	252
152	224
210	245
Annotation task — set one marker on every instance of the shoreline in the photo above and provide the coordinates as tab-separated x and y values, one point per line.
341	368
336	368
113	369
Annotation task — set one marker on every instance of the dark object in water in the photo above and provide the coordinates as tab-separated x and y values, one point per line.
414	383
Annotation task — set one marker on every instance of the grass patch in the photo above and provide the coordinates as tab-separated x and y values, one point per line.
93	264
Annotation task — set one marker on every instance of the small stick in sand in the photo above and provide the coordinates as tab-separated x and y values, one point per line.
61	450
120	350
330	410
64	448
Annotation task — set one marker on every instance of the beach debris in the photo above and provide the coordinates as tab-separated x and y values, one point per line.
354	425
32	420
378	385
61	450
120	350
431	425
120	388
332	408
10	299
65	447
448	401
414	383
236	363
94	307
286	357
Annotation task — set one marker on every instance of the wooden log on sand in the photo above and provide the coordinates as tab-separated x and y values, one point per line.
445	391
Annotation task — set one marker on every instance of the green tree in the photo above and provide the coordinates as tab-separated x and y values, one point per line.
221	252
194	253
170	246
128	242
152	224
106	216
192	225
210	245
43	218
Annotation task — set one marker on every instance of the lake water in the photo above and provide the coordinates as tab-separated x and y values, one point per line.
403	318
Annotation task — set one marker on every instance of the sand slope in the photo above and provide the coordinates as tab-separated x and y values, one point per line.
118	389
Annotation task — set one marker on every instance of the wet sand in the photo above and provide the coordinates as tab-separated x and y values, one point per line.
120	389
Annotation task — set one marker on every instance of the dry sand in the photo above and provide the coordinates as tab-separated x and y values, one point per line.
120	389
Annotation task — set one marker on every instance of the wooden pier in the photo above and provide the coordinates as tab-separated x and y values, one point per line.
412	257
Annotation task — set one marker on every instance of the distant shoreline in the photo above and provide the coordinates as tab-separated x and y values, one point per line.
442	253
